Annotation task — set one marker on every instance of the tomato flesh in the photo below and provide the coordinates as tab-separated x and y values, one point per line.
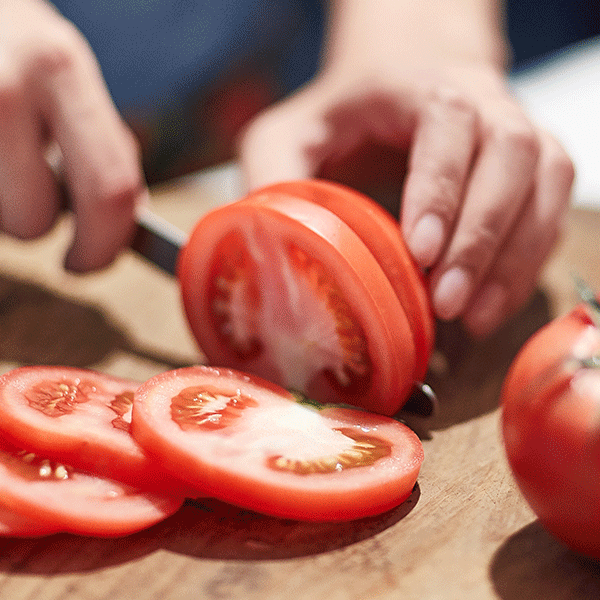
41	496
14	525
77	416
248	442
380	232
286	290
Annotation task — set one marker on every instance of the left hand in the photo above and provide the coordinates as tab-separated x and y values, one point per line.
484	189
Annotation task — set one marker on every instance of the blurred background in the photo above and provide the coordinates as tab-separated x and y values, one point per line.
187	74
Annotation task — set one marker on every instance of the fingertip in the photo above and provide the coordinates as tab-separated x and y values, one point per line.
426	240
451	293
78	260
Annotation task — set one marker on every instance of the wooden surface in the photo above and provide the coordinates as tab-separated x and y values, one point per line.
464	534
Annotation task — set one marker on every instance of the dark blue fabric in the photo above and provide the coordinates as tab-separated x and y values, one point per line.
155	50
537	28
186	74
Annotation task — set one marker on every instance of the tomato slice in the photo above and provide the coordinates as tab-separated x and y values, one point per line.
77	416
248	442
380	232
41	496
284	289
14	525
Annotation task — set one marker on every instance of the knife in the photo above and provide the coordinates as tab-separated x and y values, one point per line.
157	240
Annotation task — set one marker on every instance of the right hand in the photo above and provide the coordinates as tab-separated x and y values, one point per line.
52	94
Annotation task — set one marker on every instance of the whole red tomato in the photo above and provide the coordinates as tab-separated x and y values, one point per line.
551	427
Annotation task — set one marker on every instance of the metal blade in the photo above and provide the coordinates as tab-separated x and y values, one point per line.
158	240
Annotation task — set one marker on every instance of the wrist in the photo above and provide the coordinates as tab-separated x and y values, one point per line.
421	32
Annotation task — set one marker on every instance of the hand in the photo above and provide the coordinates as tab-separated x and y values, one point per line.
484	189
52	95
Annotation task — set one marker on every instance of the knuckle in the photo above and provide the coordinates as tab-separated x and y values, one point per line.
442	191
516	136
57	53
446	99
479	246
118	191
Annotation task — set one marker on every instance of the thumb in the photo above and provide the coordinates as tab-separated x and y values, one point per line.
282	143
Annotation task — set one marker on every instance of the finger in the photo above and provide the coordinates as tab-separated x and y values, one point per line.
28	196
442	153
500	183
100	156
512	278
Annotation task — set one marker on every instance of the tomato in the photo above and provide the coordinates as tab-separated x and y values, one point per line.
41	496
551	428
248	442
14	525
380	232
279	286
77	416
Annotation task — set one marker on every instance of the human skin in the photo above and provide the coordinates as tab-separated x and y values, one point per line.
484	190
53	101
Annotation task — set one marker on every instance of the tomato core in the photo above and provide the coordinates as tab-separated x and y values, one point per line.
364	451
199	407
314	328
31	467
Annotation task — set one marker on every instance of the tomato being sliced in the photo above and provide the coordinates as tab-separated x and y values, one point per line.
380	232
284	289
248	442
41	496
77	416
551	427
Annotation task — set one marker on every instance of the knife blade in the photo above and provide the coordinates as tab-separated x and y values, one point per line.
157	240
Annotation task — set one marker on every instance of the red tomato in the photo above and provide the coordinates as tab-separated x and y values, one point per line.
285	289
551	428
14	525
76	416
41	496
248	442
380	232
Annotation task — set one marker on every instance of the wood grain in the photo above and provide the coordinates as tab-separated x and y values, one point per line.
465	533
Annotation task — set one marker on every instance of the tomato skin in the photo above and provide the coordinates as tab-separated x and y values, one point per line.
15	525
87	433
551	429
380	232
238	462
34	505
362	282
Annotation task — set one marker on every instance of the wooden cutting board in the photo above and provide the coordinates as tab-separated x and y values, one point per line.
465	533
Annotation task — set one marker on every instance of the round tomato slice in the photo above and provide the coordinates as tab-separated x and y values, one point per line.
41	496
248	442
284	289
14	525
77	416
551	428
380	232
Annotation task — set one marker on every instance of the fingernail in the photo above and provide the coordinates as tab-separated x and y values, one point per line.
451	293
426	240
487	309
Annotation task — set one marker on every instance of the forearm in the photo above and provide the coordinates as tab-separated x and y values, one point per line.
419	30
